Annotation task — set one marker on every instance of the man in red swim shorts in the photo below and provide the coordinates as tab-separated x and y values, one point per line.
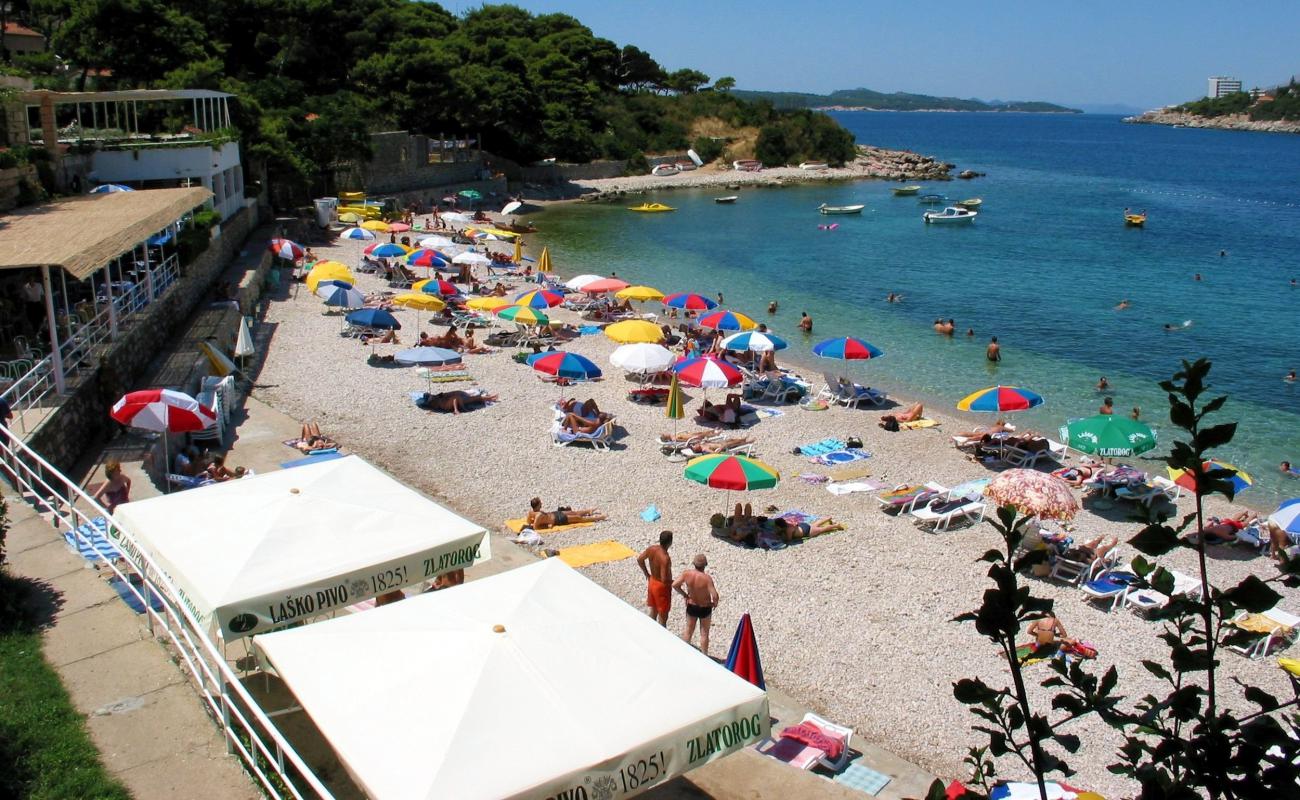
658	568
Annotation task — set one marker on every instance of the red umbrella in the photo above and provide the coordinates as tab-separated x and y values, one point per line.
286	249
163	410
707	372
743	658
605	285
398	227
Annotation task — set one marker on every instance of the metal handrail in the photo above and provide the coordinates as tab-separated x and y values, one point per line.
248	730
29	391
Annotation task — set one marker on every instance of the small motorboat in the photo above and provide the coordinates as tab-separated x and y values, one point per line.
933	199
952	215
651	208
972	204
1135	220
833	210
664	170
902	191
814	165
733	187
728	199
747	165
685	166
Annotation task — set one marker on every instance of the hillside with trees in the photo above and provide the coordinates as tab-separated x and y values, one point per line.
314	78
897	101
1280	103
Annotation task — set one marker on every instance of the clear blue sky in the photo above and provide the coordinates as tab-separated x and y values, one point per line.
1069	51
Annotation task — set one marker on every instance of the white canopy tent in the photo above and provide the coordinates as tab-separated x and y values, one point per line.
257	553
586	696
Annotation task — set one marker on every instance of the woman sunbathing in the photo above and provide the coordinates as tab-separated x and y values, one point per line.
472	347
978	433
1224	531
455	401
910	414
311	439
576	424
1049	631
723	445
1077	476
388	337
728	413
1093	550
541	520
586	410
805	530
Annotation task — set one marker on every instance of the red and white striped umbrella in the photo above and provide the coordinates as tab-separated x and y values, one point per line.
162	410
286	249
707	372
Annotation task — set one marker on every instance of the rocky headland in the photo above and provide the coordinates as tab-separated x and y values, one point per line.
1230	122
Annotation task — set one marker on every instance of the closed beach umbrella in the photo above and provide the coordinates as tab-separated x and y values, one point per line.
732	472
436	286
374	318
640	294
1108	436
427	356
707	372
375	225
1287	516
491	303
518	257
544	265
539	298
1000	399
337	294
727	321
743	658
523	315
644	358
419	301
689	301
575	284
634	330
604	285
1240	479
675	409
328	271
359	233
754	342
110	188
244	341
1033	493
847	348
564	365
286	249
388	250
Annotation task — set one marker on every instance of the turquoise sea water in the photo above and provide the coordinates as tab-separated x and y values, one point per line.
1041	268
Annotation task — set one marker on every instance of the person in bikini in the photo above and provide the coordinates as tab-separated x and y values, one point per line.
701	594
541	520
909	414
1225	530
806	530
311	439
1093	550
573	423
657	566
117	487
1049	631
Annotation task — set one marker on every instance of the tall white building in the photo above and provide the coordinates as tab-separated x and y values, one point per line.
1221	85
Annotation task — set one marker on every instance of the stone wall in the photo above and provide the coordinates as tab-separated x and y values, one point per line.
559	173
399	163
82	419
9	181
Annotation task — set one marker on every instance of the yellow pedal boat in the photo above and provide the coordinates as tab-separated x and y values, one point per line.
651	208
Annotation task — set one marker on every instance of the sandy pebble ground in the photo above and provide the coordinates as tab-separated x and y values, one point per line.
855	624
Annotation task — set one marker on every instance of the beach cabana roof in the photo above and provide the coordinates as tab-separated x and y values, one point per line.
82	234
257	553
601	700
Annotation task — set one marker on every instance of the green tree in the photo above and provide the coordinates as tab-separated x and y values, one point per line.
139	41
685	81
724	84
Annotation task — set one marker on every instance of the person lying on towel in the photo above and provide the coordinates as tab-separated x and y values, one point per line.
540	520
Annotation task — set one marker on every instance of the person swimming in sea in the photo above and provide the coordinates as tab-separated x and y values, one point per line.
1290	377
1169	326
1123	304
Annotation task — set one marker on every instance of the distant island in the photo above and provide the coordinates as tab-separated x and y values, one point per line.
870	100
1275	110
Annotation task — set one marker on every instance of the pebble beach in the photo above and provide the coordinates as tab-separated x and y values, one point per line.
856	624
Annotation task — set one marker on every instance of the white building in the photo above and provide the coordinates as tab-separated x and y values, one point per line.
1221	85
143	138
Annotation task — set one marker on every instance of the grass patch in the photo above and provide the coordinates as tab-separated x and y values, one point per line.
45	751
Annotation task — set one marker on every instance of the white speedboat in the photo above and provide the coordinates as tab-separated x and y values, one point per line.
952	215
664	170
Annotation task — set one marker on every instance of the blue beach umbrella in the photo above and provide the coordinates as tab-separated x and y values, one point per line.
1287	516
847	348
388	250
358	233
427	356
754	342
564	365
109	188
374	318
340	296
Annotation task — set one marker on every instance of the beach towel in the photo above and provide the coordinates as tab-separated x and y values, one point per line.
850	488
595	553
449	377
864	779
128	596
769	413
517	526
850	473
93	544
813	479
836	458
821	448
587	330
794	516
918	424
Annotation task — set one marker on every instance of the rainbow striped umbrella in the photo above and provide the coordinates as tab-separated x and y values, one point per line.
436	286
1240	479
732	472
999	399
427	258
387	250
286	249
539	298
564	365
523	315
689	301
753	342
727	321
847	348
707	372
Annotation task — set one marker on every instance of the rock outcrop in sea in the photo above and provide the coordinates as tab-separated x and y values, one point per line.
1230	122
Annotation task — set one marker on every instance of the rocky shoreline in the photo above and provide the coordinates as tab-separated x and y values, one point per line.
872	163
1232	122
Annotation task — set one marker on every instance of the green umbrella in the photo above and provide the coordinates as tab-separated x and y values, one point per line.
1109	436
470	194
674	410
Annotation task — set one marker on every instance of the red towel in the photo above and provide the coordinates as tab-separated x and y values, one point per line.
814	736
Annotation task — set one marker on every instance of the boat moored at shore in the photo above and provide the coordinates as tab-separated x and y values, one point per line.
971	204
840	210
651	208
904	191
728	199
933	199
665	170
747	165
952	215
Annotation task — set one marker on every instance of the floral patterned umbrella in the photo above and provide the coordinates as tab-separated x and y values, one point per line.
1033	493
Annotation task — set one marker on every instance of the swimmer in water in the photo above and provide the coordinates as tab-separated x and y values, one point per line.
1123	304
1290	377
894	298
1196	277
1103	384
1169	326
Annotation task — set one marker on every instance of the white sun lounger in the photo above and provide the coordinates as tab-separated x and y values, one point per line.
1156	488
1147	601
1285	626
970	511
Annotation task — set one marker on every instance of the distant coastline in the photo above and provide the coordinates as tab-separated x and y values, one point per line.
995	110
1228	122
862	99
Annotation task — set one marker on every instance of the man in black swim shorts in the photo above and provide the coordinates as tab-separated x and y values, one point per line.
697	587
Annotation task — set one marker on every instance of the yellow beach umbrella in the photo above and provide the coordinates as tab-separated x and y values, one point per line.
348	216
376	225
544	262
491	303
640	294
328	271
634	330
419	301
519	250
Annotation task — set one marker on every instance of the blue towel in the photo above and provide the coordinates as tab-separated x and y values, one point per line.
133	602
845	456
587	330
822	447
97	545
864	779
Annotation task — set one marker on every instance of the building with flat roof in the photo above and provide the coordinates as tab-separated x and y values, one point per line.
1221	85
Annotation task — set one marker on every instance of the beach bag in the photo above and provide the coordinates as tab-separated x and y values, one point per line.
853	442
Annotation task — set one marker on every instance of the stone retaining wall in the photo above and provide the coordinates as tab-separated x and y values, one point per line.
82	419
9	181
559	173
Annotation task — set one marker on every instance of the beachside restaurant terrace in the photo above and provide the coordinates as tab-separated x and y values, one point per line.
80	270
